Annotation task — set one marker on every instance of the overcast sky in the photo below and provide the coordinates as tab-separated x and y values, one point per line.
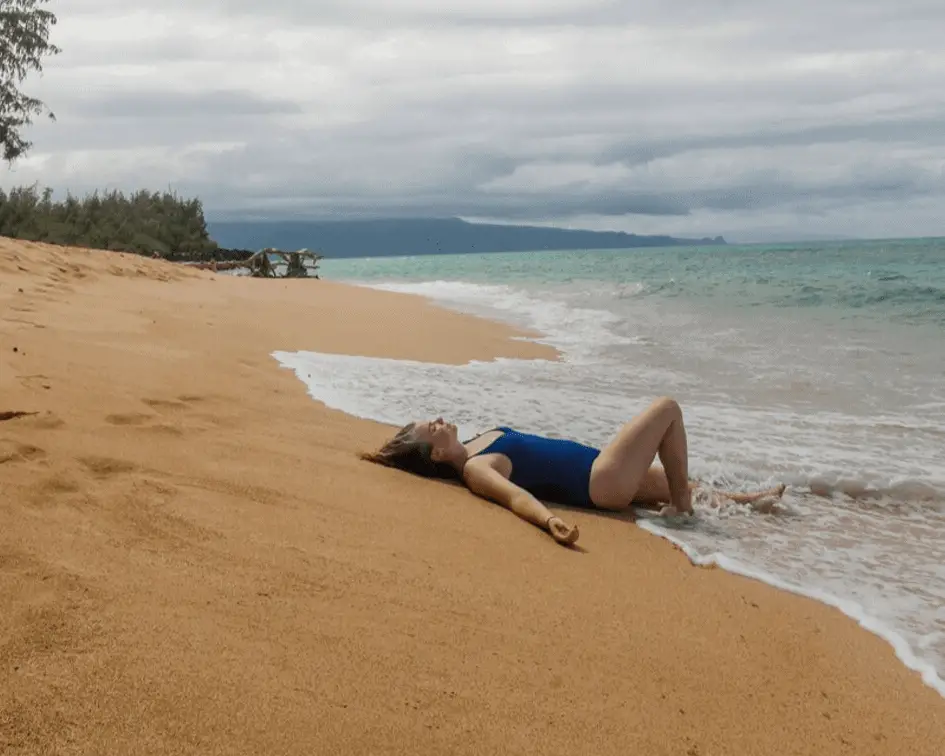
747	118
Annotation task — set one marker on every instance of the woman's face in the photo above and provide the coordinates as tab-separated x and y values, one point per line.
441	435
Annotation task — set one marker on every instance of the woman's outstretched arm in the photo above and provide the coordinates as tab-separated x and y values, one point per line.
489	483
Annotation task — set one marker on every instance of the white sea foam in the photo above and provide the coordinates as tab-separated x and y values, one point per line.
864	522
579	331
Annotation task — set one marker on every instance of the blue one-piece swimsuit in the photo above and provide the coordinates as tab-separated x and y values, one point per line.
553	469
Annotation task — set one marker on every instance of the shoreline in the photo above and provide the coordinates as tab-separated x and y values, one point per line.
849	607
192	535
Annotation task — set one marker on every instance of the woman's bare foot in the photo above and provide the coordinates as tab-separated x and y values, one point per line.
751	497
748	497
766	506
562	532
763	502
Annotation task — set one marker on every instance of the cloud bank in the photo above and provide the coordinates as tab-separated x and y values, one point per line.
755	120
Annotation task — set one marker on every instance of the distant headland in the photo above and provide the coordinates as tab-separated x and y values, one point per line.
425	236
163	224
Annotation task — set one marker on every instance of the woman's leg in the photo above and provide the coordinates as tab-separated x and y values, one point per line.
623	465
654	491
750	497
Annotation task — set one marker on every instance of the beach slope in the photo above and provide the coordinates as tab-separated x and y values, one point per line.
194	561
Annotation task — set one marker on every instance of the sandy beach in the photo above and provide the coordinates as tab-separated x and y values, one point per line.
194	560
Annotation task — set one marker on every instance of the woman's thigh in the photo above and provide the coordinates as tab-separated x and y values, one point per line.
622	468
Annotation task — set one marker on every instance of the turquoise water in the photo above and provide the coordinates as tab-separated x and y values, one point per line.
899	280
821	366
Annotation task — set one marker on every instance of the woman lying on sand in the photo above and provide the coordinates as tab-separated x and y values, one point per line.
517	469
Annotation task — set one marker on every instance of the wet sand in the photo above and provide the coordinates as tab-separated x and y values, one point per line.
193	559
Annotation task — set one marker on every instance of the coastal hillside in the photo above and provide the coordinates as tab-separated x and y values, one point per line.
162	224
424	236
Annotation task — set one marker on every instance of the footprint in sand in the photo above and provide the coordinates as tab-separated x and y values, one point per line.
139	502
45	421
12	451
184	404
57	484
106	467
144	422
208	413
35	381
153	421
130	418
168	405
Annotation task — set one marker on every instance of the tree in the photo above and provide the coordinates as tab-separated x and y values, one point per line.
24	41
144	223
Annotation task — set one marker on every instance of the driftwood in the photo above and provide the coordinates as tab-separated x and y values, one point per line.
267	263
214	265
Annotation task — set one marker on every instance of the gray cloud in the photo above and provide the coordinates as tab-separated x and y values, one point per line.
156	104
703	117
819	19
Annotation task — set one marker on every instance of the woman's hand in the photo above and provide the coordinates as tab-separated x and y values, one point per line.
561	531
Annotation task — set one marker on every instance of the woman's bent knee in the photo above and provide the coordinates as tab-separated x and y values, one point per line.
667	404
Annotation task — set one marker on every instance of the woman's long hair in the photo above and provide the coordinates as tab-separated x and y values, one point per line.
405	452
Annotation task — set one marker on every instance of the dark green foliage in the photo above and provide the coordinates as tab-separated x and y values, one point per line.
144	223
24	41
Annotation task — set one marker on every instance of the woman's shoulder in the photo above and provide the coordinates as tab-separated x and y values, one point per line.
489	457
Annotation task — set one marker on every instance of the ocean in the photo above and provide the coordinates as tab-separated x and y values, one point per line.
818	365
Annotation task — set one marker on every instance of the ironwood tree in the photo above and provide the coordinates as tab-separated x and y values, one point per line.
143	222
24	42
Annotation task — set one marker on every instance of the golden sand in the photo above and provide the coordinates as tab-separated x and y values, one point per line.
193	559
